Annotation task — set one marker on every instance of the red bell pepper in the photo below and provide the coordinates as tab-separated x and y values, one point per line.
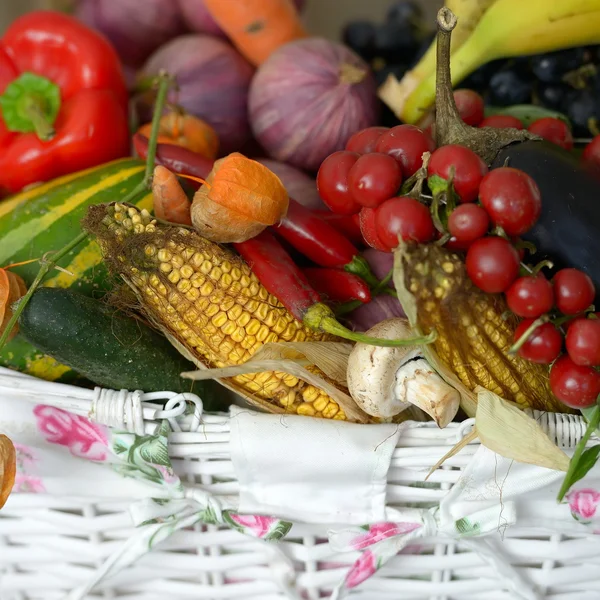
63	100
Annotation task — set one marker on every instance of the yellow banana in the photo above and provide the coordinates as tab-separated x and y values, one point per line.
512	28
395	93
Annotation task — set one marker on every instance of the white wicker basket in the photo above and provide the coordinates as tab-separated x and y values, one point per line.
51	544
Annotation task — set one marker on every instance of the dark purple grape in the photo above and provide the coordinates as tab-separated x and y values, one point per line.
552	67
581	107
507	87
395	42
360	36
479	79
404	12
553	95
397	70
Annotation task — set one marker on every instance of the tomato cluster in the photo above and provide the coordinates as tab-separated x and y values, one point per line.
482	213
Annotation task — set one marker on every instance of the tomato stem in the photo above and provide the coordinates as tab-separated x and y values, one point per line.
527	334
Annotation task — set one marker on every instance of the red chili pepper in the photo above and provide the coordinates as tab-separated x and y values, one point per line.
175	158
338	286
63	100
348	225
319	241
282	278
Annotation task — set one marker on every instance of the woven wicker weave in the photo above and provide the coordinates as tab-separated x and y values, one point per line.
49	545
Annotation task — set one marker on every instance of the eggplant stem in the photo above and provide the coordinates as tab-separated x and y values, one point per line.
449	127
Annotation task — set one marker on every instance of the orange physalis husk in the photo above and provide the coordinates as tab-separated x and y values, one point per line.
12	287
187	131
240	199
170	202
8	468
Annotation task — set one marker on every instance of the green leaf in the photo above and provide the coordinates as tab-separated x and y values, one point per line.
466	528
119	447
583	459
164	429
526	113
155	452
279	531
209	517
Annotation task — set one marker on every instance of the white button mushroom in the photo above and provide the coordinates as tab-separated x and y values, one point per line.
386	381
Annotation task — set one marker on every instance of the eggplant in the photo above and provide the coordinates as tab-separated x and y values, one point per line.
568	230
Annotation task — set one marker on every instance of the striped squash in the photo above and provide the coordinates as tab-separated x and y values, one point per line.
47	218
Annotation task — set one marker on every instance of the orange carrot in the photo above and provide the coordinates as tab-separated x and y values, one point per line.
12	287
187	131
170	202
257	27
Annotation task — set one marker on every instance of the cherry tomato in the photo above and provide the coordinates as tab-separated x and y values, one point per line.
406	218
512	199
543	345
406	143
374	178
470	106
468	222
501	122
591	153
574	385
553	130
530	296
469	169
369	231
456	245
492	264
365	140
332	182
573	290
583	342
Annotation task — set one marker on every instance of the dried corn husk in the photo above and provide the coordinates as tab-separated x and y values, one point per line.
8	468
510	432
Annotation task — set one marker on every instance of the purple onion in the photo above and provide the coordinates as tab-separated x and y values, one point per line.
134	28
308	98
197	17
213	80
298	184
383	306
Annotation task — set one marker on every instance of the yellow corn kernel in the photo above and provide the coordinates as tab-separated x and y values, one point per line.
211	302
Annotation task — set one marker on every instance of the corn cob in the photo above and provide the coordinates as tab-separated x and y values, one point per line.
208	299
475	329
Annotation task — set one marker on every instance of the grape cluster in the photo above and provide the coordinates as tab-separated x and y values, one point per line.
402	187
391	47
567	81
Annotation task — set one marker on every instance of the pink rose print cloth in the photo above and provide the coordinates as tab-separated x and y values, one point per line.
27	480
83	438
583	504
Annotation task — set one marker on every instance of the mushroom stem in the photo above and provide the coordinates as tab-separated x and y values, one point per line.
418	384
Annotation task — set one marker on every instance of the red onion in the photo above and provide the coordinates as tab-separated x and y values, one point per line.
307	100
198	19
134	28
213	80
298	184
383	306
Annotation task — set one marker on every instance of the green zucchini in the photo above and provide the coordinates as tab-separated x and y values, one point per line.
109	348
45	219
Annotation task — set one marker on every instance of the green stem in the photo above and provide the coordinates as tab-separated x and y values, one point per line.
347	307
46	266
321	318
573	464
519	343
34	111
359	266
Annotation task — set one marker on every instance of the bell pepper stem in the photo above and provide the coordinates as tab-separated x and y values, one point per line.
33	110
46	265
321	318
164	81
